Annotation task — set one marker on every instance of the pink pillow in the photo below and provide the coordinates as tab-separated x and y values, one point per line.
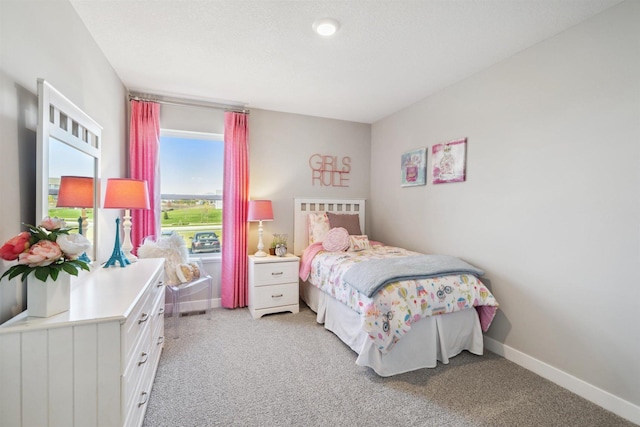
336	240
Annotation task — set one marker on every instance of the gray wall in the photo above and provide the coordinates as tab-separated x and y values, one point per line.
550	209
280	147
551	206
47	39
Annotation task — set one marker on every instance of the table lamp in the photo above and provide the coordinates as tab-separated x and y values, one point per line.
77	192
127	194
260	210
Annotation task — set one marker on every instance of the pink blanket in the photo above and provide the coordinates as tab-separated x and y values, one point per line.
307	256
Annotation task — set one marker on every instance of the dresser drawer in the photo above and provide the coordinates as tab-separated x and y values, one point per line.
136	324
138	373
275	295
274	273
136	404
157	334
142	315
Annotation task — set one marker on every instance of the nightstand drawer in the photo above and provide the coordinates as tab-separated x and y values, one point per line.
275	272
275	295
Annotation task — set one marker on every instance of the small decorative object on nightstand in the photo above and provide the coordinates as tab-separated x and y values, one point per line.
273	284
278	245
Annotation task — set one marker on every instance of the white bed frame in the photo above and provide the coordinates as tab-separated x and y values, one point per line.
430	340
304	206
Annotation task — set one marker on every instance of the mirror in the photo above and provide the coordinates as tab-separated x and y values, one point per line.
67	151
66	162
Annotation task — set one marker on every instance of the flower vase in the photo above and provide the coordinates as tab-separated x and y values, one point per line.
44	299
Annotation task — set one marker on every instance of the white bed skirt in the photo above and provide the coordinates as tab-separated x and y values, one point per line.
430	340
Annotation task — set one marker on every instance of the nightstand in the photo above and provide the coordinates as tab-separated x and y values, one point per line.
273	284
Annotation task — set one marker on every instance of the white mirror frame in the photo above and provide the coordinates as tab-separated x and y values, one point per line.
62	120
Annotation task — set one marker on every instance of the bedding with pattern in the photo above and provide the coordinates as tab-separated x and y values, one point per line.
389	313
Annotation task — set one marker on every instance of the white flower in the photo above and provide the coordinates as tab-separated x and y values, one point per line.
73	244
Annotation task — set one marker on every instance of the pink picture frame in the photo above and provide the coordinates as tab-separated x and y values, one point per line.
448	161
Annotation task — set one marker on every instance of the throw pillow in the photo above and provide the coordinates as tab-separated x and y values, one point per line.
336	240
349	221
318	226
359	243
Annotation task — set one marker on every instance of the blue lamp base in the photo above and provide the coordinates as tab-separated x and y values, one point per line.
117	255
84	257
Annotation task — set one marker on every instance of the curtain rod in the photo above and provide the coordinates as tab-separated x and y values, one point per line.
190	104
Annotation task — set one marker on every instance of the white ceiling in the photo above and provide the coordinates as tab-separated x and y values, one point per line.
388	54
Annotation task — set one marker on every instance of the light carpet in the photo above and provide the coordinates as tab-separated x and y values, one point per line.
287	370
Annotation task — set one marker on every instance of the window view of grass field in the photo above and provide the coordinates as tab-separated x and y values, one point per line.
71	217
191	173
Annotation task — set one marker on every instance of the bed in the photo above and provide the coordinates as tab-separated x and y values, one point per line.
407	324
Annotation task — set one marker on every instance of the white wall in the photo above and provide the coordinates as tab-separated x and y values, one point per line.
47	39
280	147
551	206
207	120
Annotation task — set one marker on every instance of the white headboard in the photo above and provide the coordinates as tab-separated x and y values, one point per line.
305	206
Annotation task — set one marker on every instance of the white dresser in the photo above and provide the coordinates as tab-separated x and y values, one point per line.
273	284
93	365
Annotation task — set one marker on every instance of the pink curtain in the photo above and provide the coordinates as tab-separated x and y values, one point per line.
144	163
235	195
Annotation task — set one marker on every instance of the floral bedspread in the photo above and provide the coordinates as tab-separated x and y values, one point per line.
389	314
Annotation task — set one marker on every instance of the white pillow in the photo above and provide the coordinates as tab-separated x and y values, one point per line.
318	226
359	243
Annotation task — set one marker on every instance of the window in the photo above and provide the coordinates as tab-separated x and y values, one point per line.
191	174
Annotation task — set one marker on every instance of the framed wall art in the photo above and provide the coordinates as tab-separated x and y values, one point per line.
413	165
448	161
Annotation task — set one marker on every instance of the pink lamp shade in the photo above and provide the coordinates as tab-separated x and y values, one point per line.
260	210
126	193
75	192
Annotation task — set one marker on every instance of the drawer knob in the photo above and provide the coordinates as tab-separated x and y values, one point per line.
277	273
143	318
145	395
145	357
161	311
160	284
276	296
160	339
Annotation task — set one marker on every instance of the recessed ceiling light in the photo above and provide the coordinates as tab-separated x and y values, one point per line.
326	26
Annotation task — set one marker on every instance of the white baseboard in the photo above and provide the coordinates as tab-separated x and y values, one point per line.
583	389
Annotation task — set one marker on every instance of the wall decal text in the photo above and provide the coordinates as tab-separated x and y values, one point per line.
330	171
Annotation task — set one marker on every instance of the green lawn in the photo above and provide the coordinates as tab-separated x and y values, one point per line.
70	215
196	215
180	220
191	216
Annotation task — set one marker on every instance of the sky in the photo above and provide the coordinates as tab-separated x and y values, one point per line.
190	166
66	160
